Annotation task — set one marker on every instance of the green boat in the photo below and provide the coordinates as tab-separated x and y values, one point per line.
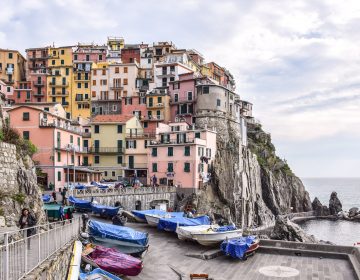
52	210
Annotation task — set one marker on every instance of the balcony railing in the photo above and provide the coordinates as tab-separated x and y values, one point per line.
59	84
73	148
135	165
141	135
115	87
182	100
9	71
38	94
39	84
156	105
87	134
154	118
107	150
59	93
172	141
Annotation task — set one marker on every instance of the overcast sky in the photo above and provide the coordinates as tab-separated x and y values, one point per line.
297	60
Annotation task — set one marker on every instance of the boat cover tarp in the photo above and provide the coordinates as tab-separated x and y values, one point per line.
225	228
95	272
104	210
80	187
116	262
237	247
118	233
80	203
177	219
141	213
99	185
46	198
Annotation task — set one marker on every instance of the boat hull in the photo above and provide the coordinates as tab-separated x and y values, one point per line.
185	233
152	220
215	238
74	267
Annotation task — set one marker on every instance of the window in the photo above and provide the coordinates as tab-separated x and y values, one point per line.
218	102
85	161
125	81
94	82
170	151
67	71
78	141
62	62
189	95
201	167
86	85
154	152
93	93
105	173
94	72
186	167
205	90
26	135
145	144
131	144
59	176
96	129
26	116
78	85
116	70
113	173
197	134
72	159
187	151
9	89
62	52
119	159
176	97
145	124
10	55
119	128
200	152
159	99
75	57
170	167
125	69
71	139
58	156
100	56
154	167
104	72
96	159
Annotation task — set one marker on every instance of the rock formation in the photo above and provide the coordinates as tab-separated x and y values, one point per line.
18	185
335	205
320	210
251	184
353	212
284	229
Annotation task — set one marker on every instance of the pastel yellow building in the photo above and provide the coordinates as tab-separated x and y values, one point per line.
60	78
81	90
12	66
157	106
108	137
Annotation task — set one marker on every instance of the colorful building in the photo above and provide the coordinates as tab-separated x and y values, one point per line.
58	140
158	109
59	80
130	54
12	66
22	93
181	155
108	143
115	45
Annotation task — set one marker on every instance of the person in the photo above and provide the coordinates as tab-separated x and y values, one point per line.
61	213
118	220
53	194
27	221
154	180
63	194
185	213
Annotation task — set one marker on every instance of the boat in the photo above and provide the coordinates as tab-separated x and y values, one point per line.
98	274
139	215
152	219
74	267
184	233
80	204
240	248
125	239
112	260
177	220
214	236
52	210
104	211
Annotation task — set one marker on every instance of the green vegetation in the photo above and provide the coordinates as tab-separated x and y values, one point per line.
24	147
2	212
261	145
1	135
19	197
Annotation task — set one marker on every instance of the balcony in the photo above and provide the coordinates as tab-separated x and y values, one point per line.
140	135
135	165
154	118
85	101
106	150
65	104
59	84
37	94
59	124
116	87
87	135
39	84
167	74
9	71
182	100
157	105
73	148
172	142
55	73
59	93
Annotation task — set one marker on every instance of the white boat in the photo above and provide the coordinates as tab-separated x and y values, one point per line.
213	237
152	220
74	267
184	233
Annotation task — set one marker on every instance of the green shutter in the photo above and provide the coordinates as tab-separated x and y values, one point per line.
154	167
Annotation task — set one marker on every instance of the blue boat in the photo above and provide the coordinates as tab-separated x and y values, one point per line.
140	214
104	211
99	185
80	187
177	219
46	198
240	248
98	274
80	204
125	239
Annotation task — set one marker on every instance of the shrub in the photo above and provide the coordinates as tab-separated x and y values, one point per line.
19	197
1	135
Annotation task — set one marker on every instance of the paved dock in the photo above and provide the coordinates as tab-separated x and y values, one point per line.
167	254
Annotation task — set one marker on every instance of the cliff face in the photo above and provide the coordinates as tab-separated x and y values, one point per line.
250	185
18	185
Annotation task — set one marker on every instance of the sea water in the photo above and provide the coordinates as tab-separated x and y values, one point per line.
348	190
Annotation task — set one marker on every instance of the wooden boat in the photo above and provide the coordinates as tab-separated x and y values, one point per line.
184	233
214	236
112	260
139	215
74	267
98	274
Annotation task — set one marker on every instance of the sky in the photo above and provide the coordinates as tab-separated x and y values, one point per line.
297	61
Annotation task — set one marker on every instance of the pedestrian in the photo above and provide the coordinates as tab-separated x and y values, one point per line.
63	194
27	221
154	180
54	196
61	213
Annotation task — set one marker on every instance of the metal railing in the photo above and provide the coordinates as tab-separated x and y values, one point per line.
21	253
106	150
94	191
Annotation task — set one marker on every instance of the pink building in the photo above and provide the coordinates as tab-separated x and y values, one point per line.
22	93
181	155
183	97
58	140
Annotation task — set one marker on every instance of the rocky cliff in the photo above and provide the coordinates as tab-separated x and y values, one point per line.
250	185
18	184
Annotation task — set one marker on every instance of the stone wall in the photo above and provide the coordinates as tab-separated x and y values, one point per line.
129	201
56	267
18	186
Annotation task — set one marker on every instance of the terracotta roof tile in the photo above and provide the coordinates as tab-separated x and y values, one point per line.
111	118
